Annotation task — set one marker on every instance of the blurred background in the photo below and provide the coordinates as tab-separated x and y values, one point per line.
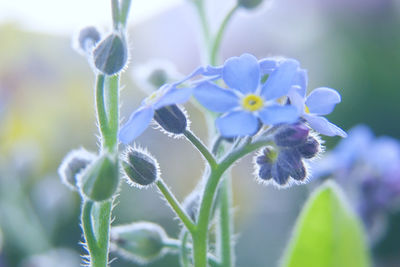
46	109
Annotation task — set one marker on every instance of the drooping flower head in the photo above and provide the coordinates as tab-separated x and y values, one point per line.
168	94
247	100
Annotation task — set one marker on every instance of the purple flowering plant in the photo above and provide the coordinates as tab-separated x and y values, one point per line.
251	106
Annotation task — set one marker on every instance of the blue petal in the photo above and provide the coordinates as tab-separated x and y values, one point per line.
216	72
173	96
237	123
215	98
322	100
267	65
276	114
323	126
242	73
296	99
301	80
280	80
135	126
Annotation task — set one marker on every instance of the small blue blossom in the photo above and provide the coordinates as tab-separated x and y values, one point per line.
321	101
166	95
247	100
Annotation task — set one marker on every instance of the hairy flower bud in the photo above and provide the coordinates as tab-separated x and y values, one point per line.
291	135
73	163
100	180
140	167
172	119
111	54
141	242
249	4
310	148
88	38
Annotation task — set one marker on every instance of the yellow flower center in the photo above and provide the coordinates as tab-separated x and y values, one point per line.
306	109
252	102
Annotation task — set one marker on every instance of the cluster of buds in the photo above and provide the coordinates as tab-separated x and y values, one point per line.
284	162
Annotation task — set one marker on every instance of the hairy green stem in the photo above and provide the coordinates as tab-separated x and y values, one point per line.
201	147
98	252
201	235
176	206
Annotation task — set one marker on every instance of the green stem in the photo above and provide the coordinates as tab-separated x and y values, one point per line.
225	222
174	244
175	205
100	107
124	11
218	37
183	251
201	235
112	109
115	12
199	4
201	147
97	256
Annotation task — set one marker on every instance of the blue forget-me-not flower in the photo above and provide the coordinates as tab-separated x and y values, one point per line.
321	101
247	100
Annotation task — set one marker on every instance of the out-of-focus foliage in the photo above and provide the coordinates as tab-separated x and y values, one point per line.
327	233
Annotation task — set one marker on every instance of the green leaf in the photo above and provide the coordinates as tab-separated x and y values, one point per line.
327	233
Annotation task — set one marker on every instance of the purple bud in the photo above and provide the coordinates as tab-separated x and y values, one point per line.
310	148
265	171
291	161
291	135
279	174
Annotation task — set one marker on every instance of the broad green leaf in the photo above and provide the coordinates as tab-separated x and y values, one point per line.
327	233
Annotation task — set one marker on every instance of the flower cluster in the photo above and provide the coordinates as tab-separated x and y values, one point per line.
285	163
249	94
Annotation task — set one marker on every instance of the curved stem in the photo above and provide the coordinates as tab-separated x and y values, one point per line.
201	148
102	120
218	37
175	205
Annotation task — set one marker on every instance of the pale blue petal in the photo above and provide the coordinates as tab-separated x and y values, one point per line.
296	99
237	123
242	73
215	98
280	80
174	96
276	114
301	80
322	101
267	65
323	126
135	126
204	71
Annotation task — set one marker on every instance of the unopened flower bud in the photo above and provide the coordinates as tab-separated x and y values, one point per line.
249	4
88	38
140	167
73	163
99	181
172	119
310	148
291	135
141	242
291	161
111	54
